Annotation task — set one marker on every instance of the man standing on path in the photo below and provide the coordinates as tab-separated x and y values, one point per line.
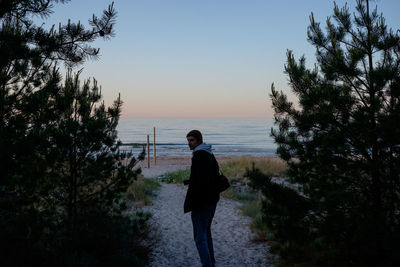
201	197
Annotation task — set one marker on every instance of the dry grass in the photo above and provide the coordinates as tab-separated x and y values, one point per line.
175	177
235	168
142	190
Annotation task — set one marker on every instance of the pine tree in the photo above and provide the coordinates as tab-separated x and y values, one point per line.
88	171
62	173
29	81
342	144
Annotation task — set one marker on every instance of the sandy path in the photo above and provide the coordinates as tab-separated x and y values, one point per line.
231	233
164	165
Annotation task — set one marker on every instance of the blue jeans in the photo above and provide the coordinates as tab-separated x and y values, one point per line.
201	220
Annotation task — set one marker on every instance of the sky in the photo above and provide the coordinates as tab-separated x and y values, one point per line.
202	59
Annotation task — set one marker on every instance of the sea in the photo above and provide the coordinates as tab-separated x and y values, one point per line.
228	137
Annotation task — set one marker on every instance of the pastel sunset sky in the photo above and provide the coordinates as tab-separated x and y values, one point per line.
202	59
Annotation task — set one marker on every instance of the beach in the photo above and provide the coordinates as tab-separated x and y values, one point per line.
167	164
233	239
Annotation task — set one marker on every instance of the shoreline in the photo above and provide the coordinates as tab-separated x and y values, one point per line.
165	164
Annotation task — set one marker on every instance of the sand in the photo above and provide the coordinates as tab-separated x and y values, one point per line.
231	233
164	165
173	163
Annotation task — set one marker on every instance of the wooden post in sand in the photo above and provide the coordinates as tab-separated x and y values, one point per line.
148	152
154	145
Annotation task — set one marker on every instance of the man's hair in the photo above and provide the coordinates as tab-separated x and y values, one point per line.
196	134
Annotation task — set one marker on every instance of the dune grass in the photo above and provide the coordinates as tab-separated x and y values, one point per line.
142	190
235	168
175	177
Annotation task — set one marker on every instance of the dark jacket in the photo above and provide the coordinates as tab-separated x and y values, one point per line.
201	191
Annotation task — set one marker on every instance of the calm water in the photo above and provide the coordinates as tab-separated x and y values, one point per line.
227	136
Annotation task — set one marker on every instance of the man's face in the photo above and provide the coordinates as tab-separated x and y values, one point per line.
192	142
